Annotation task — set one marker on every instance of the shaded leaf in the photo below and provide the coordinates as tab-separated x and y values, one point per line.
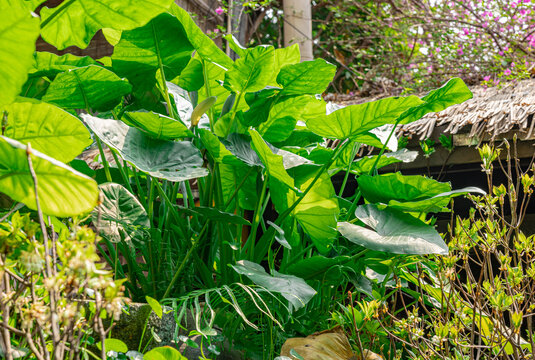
120	215
292	288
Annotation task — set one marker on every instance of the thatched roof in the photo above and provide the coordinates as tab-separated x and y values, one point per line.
492	111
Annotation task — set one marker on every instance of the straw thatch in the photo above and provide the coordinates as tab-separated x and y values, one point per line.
491	112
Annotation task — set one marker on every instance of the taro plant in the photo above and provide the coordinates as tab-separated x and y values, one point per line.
217	181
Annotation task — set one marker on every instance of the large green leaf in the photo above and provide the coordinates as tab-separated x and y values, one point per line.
141	52
453	92
50	64
48	128
393	231
18	32
119	216
273	163
62	190
308	77
283	117
203	45
74	22
395	186
292	288
217	150
435	203
163	353
317	212
285	56
316	267
157	125
92	86
253	72
410	193
354	120
171	160
365	164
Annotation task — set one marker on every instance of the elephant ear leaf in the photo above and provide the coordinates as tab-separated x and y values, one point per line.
119	216
18	32
49	129
453	92
294	289
75	22
62	191
89	87
393	231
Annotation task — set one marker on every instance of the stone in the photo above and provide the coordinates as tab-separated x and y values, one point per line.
129	329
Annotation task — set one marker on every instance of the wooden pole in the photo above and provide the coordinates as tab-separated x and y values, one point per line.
298	26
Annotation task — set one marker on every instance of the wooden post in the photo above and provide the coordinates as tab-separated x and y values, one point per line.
298	26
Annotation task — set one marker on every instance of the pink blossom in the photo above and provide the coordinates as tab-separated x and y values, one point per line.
501	53
513	64
219	10
460	51
507	72
486	78
410	45
216	30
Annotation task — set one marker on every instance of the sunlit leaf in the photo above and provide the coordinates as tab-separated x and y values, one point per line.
90	86
18	32
74	22
48	128
393	231
62	190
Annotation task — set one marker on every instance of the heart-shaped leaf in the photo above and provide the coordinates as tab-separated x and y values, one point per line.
18	32
162	43
75	22
62	190
354	120
90	86
120	216
292	288
307	77
252	72
393	231
48	128
157	125
171	160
